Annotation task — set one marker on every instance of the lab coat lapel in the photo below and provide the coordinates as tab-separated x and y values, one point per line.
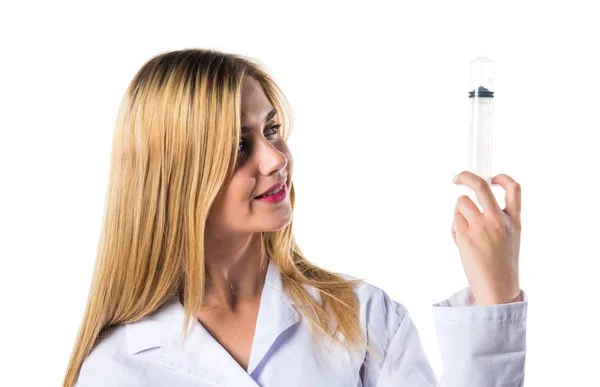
275	315
203	357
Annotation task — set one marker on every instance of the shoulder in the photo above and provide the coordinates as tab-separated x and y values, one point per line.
384	321
377	308
122	353
106	364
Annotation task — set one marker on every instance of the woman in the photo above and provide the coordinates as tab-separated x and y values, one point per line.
199	281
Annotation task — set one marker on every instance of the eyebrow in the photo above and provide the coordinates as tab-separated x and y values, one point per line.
270	116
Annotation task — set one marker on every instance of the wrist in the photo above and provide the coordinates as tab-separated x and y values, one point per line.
492	300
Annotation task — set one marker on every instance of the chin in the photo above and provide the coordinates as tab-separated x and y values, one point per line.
276	226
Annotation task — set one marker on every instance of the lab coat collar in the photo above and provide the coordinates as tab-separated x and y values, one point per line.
201	355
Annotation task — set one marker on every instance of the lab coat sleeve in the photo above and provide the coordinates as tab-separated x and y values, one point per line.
481	346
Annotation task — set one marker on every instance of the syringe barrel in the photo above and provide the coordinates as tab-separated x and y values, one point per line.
480	136
481	109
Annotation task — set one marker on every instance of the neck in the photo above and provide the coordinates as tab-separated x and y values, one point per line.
235	270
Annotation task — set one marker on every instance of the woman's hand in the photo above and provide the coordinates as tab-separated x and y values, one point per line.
489	242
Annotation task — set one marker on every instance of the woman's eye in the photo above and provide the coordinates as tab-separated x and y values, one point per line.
274	128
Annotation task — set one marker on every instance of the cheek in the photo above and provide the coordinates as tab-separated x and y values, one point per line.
239	193
235	193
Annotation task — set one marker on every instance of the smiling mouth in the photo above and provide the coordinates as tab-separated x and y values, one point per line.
274	192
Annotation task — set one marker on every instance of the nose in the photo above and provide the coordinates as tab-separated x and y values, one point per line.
270	158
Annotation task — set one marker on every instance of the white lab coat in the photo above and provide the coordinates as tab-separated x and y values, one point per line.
480	346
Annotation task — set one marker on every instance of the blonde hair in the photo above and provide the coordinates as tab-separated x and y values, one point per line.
174	149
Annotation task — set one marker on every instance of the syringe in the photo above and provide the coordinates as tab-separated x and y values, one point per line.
481	104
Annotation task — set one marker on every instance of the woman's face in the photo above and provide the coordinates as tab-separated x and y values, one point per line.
264	160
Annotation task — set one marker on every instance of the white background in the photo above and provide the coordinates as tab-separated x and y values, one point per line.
379	96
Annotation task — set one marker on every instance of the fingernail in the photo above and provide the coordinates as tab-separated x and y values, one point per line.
454	180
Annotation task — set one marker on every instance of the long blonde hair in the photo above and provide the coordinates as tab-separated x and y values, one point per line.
174	149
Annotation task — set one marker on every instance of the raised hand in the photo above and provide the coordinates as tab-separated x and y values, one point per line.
489	242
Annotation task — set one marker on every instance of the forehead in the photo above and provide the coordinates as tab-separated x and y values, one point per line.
255	104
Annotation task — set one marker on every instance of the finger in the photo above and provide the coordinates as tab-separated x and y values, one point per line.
512	197
482	189
468	209
459	225
453	233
